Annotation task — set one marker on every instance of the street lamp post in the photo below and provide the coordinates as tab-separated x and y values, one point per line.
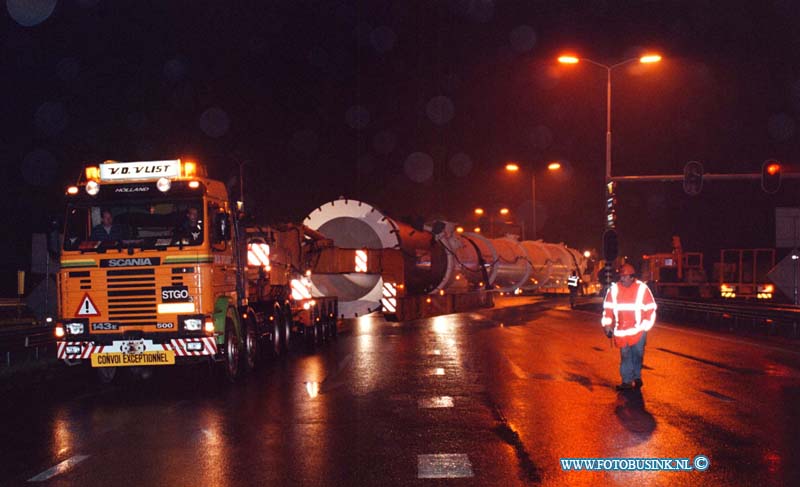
514	167
647	59
504	212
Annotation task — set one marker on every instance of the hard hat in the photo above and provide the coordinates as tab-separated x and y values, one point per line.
627	270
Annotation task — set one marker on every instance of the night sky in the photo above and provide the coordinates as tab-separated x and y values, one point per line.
411	106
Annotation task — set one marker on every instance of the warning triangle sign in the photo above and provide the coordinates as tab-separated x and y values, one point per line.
87	307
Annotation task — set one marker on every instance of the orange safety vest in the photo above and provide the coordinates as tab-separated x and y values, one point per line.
630	310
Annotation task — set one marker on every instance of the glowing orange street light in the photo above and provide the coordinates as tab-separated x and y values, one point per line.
479	211
477	229
459	229
649	58
504	211
514	167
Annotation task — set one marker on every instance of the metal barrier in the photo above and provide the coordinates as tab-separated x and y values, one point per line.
770	319
25	342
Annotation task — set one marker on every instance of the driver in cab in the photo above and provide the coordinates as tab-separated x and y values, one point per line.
107	230
191	229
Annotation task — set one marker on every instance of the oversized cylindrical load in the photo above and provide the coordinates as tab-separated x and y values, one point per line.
540	261
485	272
563	264
513	267
353	224
445	261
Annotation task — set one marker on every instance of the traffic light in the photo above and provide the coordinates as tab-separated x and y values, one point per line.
611	206
692	178
771	176
610	245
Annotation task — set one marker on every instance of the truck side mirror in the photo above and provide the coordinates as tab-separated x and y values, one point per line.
54	238
222	227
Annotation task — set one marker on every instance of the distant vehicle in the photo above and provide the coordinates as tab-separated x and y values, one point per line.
739	274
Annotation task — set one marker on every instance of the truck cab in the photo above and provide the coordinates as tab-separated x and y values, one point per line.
148	268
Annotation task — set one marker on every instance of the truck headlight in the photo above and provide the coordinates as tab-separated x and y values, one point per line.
163	185
75	328
92	187
192	324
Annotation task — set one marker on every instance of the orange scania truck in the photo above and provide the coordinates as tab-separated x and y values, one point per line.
157	269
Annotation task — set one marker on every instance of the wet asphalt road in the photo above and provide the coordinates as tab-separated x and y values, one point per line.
503	393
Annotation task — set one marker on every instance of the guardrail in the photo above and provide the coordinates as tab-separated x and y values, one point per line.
26	342
770	319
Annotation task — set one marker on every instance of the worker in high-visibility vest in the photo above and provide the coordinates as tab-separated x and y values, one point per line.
629	312
573	281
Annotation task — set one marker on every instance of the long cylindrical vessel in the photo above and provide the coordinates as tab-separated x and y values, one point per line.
442	261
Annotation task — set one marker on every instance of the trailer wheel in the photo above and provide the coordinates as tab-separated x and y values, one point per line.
232	351
250	345
277	322
286	330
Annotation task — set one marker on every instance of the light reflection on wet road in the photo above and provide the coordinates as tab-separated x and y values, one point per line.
490	398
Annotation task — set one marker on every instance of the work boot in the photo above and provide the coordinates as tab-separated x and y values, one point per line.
638	383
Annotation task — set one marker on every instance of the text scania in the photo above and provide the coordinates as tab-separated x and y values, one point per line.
129	262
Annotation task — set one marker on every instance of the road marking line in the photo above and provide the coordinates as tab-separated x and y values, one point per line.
444	466
435	402
345	362
340	367
62	467
518	372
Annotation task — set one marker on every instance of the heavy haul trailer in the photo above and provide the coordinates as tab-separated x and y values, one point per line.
411	273
171	276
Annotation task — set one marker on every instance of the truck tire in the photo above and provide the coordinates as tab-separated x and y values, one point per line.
286	330
232	349
275	331
251	348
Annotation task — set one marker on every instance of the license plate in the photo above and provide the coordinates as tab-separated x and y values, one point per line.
118	359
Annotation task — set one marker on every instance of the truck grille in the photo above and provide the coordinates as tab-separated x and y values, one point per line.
131	296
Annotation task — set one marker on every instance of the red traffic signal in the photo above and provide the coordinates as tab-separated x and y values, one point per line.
771	176
692	178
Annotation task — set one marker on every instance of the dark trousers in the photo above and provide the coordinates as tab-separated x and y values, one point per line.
631	357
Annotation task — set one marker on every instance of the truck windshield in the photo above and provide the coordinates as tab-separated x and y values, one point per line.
140	224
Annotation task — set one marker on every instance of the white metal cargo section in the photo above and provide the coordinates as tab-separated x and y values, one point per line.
472	259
